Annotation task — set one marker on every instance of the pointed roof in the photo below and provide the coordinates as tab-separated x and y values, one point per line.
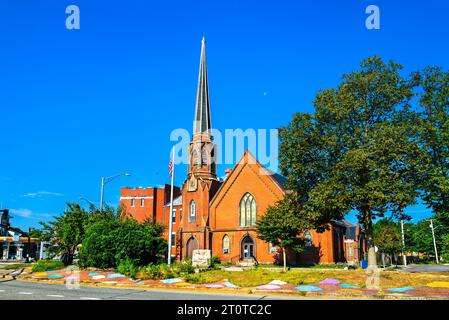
202	123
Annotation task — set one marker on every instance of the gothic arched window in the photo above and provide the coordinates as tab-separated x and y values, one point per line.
226	244
192	211
247	211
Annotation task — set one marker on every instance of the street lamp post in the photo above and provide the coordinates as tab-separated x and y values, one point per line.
404	257
434	241
106	180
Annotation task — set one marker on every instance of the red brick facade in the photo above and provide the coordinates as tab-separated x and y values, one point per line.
220	214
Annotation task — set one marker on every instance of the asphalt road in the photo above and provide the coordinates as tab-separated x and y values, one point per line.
19	290
427	268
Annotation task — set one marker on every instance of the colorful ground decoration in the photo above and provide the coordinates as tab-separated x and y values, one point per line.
115	275
330	281
72	277
171	281
98	277
438	284
214	285
230	285
140	282
110	282
40	274
401	290
55	276
349	286
268	287
92	274
278	282
350	291
309	288
182	284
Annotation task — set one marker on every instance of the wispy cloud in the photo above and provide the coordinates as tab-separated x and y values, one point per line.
27	213
41	194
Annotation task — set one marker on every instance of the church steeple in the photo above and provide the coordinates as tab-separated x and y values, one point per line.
202	148
202	123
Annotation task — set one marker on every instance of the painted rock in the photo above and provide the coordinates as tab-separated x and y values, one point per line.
278	282
400	290
268	287
438	284
349	286
229	284
214	285
309	288
115	275
330	281
170	281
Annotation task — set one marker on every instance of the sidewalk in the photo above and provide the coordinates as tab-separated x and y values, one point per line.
326	288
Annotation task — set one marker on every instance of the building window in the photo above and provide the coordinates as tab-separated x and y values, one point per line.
226	244
308	241
247	211
132	202
173	216
192	215
173	239
142	202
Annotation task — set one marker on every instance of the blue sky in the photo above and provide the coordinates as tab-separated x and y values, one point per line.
76	105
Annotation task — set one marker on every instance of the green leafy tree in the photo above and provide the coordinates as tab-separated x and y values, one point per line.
387	235
282	226
358	148
69	230
434	137
110	242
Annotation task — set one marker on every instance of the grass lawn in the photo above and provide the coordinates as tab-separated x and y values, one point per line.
15	266
260	276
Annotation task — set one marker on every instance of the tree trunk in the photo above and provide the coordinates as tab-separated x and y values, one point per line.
383	259
372	259
285	260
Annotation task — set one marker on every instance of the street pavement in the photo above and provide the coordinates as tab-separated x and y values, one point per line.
427	268
20	290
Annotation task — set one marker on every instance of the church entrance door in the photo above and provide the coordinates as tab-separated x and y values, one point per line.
192	244
247	250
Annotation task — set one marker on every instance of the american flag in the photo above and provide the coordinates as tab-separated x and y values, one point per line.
170	167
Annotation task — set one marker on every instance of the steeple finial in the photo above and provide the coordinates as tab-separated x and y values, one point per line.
202	123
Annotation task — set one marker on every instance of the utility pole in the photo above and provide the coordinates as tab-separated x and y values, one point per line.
434	241
404	257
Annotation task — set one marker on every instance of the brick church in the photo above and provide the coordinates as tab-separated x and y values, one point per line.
220	213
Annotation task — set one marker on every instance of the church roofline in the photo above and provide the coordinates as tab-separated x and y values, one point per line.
247	153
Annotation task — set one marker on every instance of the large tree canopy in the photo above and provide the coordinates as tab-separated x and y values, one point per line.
357	152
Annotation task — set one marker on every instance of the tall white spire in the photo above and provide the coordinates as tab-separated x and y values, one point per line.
202	123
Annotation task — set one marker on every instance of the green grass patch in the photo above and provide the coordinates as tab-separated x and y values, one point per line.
16	266
45	265
261	276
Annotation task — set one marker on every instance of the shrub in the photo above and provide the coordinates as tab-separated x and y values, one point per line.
45	265
183	267
151	271
214	261
107	242
127	267
194	278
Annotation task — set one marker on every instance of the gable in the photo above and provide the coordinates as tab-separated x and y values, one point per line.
248	176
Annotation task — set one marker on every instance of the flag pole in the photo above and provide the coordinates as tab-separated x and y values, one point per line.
170	215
